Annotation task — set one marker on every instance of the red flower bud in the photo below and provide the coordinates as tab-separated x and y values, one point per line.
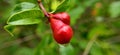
60	25
63	16
62	32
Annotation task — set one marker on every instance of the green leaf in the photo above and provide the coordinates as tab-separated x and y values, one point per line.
26	21
32	1
24	14
25	17
114	9
10	29
63	6
23	6
54	5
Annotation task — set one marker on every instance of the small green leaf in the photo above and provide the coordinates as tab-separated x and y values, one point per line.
24	14
54	5
25	17
10	29
63	6
23	6
114	9
26	21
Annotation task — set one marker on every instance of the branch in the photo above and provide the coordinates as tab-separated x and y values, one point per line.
89	45
43	9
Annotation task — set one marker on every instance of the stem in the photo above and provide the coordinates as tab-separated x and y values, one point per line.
89	45
43	9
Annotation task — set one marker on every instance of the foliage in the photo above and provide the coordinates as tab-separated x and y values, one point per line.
95	23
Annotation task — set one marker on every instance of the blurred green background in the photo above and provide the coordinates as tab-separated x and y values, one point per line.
96	25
